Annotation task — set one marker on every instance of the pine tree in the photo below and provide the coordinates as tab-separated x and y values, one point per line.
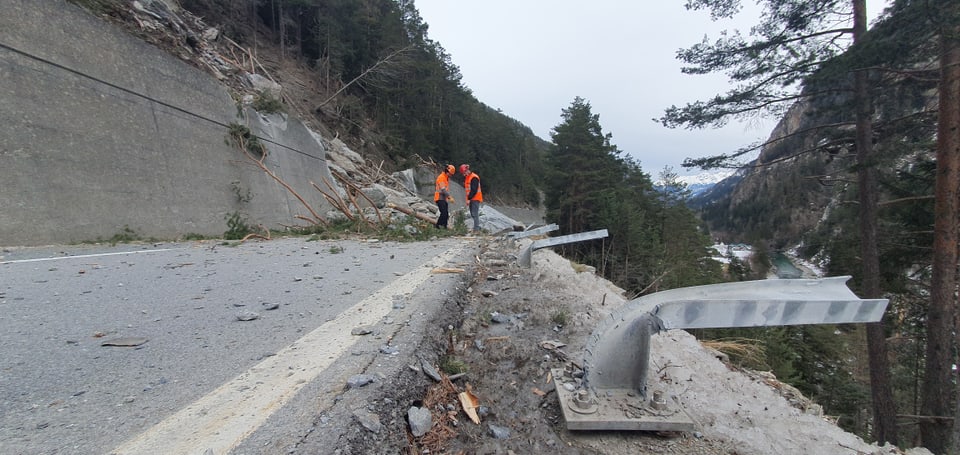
795	39
583	166
654	240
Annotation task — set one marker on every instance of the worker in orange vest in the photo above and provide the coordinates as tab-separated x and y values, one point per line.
442	195
471	183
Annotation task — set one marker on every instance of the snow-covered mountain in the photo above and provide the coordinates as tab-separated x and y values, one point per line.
701	181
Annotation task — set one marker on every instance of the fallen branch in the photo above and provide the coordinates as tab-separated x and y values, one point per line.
343	179
301	217
373	68
412	212
498	338
335	199
317	219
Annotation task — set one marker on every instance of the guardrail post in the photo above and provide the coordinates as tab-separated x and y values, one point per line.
618	351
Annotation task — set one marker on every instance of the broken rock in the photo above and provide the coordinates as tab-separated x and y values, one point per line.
499	432
360	380
430	371
370	421
361	331
499	317
420	421
125	342
247	316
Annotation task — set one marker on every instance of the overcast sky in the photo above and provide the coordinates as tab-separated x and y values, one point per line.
531	58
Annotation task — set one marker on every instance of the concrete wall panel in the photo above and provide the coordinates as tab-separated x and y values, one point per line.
102	131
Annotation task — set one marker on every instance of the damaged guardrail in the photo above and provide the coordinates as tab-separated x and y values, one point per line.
526	259
532	232
617	354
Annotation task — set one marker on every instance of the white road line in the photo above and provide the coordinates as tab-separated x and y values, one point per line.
222	419
56	258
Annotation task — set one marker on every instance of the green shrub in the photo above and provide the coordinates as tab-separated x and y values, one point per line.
126	236
240	134
267	104
560	317
452	365
237	227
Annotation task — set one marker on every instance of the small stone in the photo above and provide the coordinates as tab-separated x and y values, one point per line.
369	421
361	331
247	316
499	318
420	421
360	380
125	342
499	432
270	306
430	371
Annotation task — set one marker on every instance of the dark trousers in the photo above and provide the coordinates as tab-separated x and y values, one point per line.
444	213
475	214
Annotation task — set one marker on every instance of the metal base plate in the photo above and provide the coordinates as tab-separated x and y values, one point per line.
618	409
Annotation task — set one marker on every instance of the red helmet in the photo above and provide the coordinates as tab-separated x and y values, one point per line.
464	168
451	170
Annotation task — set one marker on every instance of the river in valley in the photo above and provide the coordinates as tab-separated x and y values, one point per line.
784	266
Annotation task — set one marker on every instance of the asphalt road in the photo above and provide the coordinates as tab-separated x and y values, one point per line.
187	374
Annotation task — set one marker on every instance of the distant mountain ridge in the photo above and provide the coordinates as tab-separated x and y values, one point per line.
702	181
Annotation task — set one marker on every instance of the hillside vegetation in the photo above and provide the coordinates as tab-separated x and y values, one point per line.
848	179
366	72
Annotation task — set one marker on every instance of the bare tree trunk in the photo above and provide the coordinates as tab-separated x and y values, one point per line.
937	385
283	29
884	411
386	61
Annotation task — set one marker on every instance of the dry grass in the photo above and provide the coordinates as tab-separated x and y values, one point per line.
745	350
579	268
437	397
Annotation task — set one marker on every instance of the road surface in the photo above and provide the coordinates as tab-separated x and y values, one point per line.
198	347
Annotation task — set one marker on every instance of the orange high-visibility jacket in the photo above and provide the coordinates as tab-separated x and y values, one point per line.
472	186
442	188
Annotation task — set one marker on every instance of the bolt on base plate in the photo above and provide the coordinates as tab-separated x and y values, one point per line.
618	409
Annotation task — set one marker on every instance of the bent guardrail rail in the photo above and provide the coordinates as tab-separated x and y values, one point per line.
532	232
526	256
618	352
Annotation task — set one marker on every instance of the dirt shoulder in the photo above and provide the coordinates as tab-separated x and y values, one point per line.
505	325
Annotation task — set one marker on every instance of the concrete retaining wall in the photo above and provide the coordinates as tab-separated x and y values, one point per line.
102	132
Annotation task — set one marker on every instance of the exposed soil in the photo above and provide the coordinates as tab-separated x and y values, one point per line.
508	370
